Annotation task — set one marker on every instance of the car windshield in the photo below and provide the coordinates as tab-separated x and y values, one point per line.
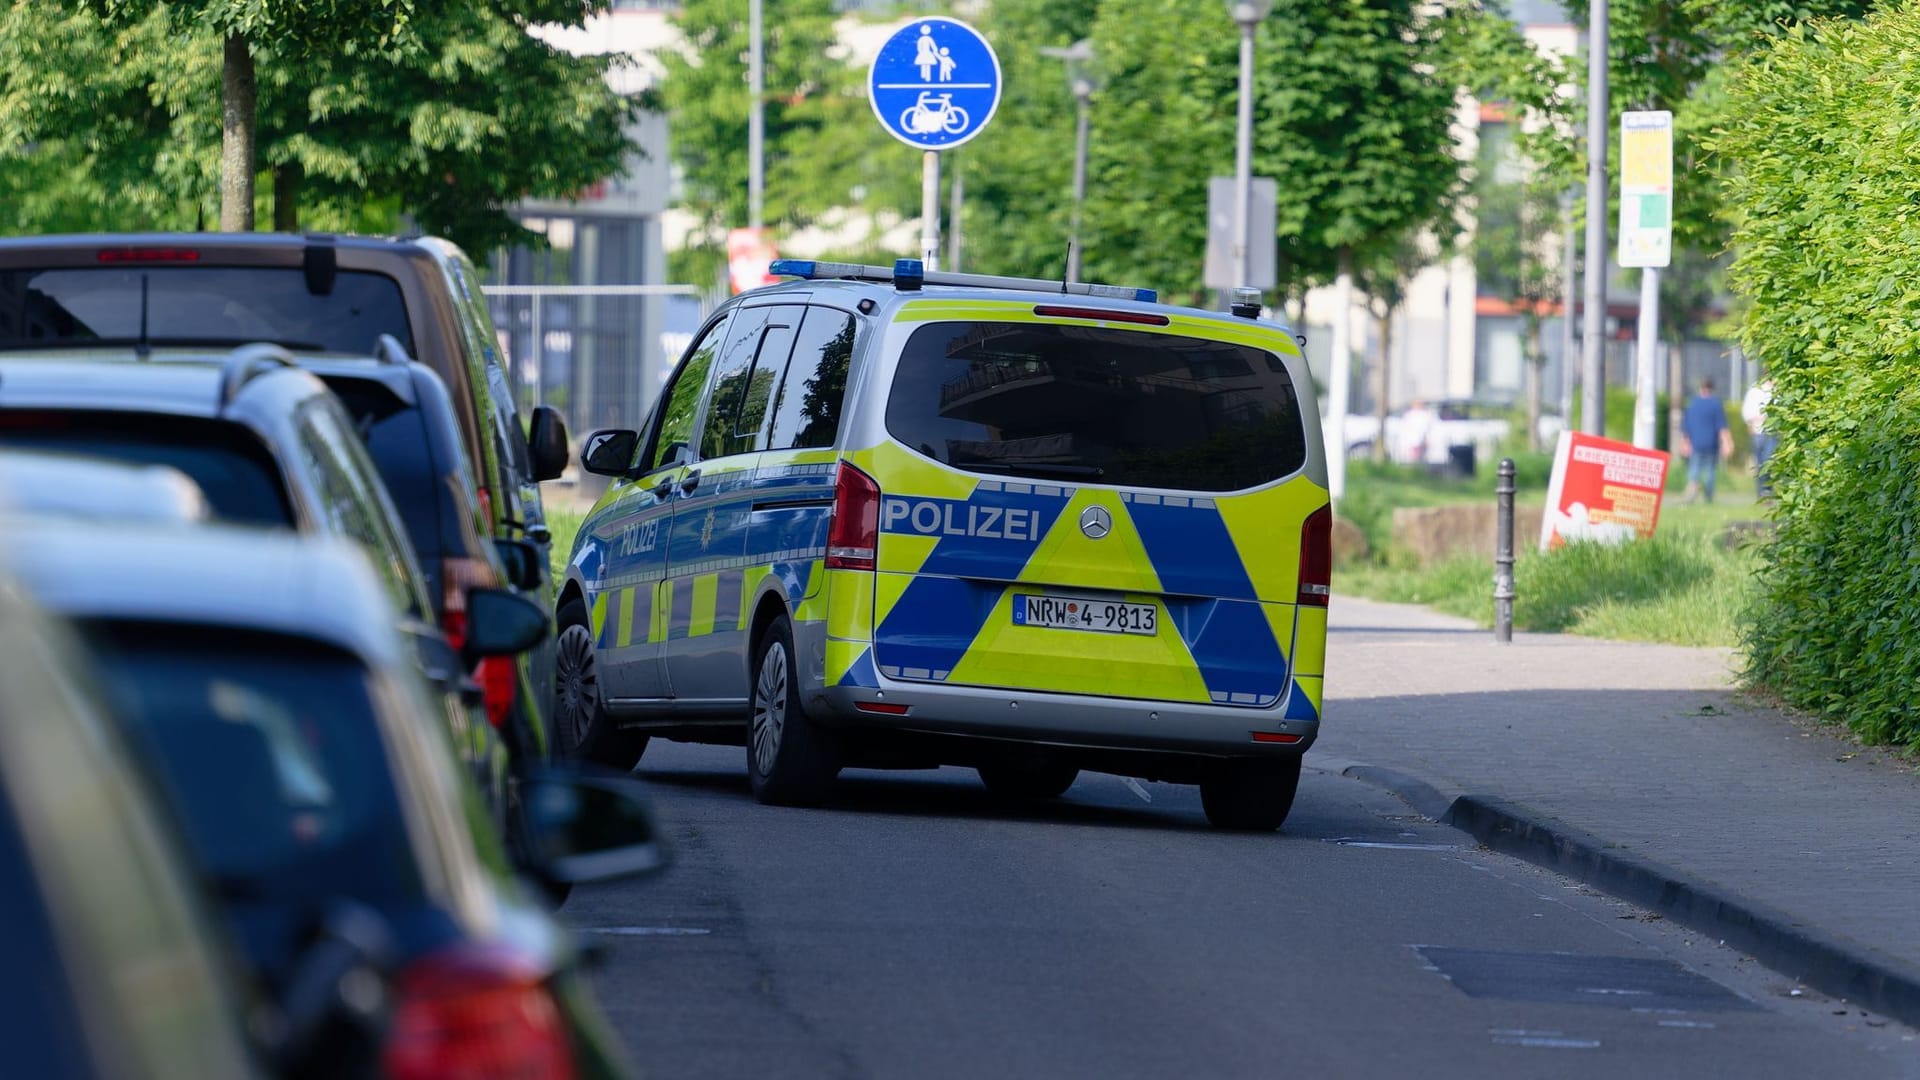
238	477
1097	404
271	749
198	305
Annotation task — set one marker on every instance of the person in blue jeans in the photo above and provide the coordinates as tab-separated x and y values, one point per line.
1704	438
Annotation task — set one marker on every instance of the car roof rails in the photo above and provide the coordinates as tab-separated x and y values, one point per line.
243	364
909	275
388	350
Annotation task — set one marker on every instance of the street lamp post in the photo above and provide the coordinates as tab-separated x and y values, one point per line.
1081	82
1248	14
756	117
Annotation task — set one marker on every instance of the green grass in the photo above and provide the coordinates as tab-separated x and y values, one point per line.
565	524
1682	587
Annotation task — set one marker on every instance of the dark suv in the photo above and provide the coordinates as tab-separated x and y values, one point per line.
310	294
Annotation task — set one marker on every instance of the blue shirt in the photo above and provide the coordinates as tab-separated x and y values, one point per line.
1706	418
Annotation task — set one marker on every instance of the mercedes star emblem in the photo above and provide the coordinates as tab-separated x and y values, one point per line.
1096	522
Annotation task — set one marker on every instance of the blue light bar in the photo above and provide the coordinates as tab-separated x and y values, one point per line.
800	268
909	274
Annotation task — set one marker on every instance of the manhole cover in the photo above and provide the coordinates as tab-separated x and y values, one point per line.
1571	978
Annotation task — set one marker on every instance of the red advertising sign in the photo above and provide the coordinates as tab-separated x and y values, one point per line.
1602	490
749	254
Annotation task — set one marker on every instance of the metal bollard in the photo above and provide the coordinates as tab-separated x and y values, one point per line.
1503	556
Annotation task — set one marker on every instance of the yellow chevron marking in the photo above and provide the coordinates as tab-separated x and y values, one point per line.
706	594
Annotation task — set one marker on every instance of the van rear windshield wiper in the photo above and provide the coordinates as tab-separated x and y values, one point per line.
37	344
1084	472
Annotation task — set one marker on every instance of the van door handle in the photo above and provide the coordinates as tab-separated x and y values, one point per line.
663	489
689	482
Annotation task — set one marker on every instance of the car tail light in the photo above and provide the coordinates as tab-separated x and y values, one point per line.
499	679
855	531
147	255
1316	558
482	1013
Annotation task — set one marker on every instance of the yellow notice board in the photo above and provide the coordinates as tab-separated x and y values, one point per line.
1646	188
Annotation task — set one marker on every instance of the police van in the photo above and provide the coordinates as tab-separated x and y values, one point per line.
896	518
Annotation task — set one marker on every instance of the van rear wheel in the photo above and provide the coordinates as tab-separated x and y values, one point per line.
585	730
791	761
1028	780
1250	795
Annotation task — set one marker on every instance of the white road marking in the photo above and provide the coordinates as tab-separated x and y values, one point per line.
647	931
1552	1040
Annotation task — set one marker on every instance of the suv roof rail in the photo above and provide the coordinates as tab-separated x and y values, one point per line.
909	274
246	362
388	350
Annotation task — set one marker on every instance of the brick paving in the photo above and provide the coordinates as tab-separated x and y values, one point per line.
1648	747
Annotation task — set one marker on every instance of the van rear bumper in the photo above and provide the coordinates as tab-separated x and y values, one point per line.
1070	719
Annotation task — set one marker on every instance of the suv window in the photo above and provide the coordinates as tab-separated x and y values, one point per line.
806	411
237	474
1111	406
355	507
206	305
682	400
756	351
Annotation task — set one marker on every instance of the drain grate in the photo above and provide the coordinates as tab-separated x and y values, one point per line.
1623	982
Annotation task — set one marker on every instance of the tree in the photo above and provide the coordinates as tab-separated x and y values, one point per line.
1384	279
352	137
820	137
1514	242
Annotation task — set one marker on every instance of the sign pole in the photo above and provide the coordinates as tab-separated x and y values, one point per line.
1593	328
1646	241
930	209
1644	351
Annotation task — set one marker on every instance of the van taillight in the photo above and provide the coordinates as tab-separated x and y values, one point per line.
476	1011
855	531
152	254
1316	558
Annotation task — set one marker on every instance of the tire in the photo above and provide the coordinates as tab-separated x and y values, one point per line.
583	729
791	761
1028	780
1250	795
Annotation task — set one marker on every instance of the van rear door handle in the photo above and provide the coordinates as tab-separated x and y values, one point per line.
663	489
689	482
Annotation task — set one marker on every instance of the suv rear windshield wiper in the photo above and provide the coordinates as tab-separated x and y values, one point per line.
35	344
1085	472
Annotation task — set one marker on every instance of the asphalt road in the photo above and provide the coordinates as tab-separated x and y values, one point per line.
922	928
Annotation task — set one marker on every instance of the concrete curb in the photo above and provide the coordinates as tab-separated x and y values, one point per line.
1833	965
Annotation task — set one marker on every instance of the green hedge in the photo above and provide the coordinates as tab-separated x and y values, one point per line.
1821	135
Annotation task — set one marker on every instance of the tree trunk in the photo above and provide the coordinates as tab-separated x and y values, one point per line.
1384	324
286	197
239	99
1536	364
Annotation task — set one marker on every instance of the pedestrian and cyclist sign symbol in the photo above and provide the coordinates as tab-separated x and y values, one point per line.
935	83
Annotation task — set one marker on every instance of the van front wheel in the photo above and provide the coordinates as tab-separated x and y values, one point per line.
791	761
1251	796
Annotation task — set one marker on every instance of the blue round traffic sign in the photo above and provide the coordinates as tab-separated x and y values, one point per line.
935	83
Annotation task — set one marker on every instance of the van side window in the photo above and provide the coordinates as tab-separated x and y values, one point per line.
750	364
806	412
683	401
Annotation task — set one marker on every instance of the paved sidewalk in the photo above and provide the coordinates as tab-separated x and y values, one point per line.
1638	769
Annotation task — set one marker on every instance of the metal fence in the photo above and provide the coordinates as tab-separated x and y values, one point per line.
598	353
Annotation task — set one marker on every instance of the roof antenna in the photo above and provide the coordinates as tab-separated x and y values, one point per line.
143	348
1063	272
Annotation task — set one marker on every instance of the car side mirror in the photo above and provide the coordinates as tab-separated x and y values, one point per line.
582	826
501	623
547	442
526	570
609	452
677	454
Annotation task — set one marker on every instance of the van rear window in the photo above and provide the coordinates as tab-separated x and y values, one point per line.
198	305
1106	406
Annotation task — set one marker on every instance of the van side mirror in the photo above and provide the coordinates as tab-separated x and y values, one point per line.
501	623
526	570
547	442
609	452
582	826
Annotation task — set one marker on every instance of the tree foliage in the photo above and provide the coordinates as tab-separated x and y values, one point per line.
452	120
1819	132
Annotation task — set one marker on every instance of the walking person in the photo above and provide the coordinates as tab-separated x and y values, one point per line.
1753	409
1704	439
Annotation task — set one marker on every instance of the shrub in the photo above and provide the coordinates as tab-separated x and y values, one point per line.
1819	132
